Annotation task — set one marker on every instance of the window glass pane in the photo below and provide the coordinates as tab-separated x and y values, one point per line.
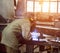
37	7
45	7
29	6
58	7
53	7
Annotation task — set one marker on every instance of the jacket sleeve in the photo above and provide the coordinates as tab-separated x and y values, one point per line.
26	31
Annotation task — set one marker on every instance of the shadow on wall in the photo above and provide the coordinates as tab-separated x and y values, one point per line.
2	47
2	19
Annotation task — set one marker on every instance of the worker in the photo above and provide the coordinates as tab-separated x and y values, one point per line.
16	31
13	33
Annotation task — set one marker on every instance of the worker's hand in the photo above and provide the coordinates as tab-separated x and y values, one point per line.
28	37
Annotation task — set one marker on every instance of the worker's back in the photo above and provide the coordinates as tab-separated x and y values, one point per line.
13	29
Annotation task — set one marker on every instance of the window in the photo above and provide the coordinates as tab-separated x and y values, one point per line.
51	6
30	6
45	7
37	7
58	7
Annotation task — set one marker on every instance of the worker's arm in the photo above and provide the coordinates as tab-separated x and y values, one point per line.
26	31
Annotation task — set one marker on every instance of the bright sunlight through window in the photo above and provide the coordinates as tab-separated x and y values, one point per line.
45	7
52	6
29	6
37	7
58	7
